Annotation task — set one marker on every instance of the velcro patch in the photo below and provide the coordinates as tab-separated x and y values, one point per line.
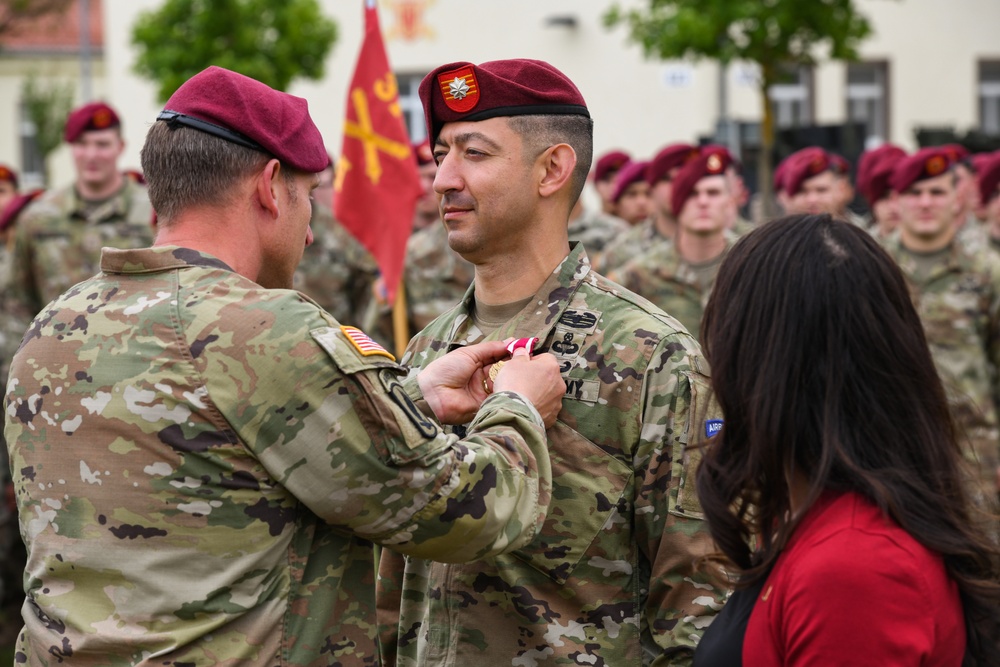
712	427
364	344
424	425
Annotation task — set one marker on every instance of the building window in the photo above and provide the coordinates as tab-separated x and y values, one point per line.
32	163
792	98
867	99
989	96
409	102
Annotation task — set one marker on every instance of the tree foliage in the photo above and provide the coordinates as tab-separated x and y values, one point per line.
15	13
47	107
771	33
273	42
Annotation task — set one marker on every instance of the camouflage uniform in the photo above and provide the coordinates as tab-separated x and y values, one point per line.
204	461
663	277
610	580
336	271
596	230
974	235
57	244
436	276
959	305
635	241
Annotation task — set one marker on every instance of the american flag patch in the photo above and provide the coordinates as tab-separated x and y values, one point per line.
363	344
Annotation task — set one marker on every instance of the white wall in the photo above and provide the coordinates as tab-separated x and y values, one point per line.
932	46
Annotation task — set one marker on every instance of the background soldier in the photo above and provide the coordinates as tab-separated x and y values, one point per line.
875	169
661	224
58	239
989	197
956	291
336	271
631	195
678	276
606	169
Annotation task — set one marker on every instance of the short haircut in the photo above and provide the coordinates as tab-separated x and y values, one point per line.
543	130
184	167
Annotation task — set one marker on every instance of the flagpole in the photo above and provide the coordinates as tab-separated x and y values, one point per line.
400	324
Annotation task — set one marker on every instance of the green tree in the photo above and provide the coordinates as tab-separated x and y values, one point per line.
273	42
47	107
771	33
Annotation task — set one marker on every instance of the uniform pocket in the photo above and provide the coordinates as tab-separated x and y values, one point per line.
588	485
705	421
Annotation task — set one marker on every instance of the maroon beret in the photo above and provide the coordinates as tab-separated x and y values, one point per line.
8	174
925	163
609	163
839	164
875	169
462	91
93	116
722	151
247	112
633	172
956	152
671	157
710	164
10	212
989	178
979	160
779	175
803	165
423	153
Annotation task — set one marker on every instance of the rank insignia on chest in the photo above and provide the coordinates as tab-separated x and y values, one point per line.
364	344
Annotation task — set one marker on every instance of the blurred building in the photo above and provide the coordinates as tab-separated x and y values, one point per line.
930	64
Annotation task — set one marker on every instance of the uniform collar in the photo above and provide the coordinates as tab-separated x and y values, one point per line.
153	260
543	311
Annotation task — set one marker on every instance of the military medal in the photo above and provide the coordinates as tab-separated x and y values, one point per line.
527	343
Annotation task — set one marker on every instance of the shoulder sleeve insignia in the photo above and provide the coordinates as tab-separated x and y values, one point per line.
363	344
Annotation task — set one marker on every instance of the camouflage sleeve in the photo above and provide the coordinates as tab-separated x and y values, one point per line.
993	352
339	431
21	300
670	527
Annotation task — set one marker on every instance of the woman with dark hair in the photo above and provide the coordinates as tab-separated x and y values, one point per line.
836	485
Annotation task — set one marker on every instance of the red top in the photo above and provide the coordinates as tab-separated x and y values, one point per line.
853	588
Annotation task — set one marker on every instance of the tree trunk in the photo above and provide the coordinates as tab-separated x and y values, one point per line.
765	182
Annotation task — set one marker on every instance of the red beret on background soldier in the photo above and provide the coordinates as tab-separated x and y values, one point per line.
956	289
660	225
678	276
816	181
606	168
8	185
875	169
59	236
988	175
631	194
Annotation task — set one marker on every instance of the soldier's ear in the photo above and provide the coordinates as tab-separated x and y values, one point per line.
267	187
557	164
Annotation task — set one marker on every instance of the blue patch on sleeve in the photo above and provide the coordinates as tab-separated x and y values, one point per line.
712	427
